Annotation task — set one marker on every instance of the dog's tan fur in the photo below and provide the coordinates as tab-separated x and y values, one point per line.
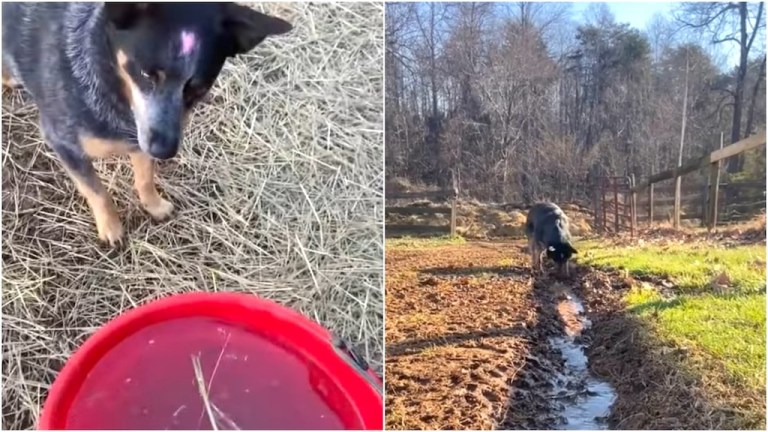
144	182
108	222
108	225
98	148
536	250
9	81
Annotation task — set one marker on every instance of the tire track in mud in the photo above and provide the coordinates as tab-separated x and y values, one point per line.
473	341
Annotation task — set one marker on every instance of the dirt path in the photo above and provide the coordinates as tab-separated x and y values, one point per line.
464	325
473	341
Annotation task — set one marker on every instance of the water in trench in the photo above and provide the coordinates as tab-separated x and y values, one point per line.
585	399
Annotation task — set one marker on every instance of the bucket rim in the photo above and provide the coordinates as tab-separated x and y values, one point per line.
308	339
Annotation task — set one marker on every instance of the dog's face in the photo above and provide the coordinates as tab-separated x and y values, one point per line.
560	253
169	54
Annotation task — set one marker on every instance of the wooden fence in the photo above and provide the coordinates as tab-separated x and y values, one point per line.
447	195
705	202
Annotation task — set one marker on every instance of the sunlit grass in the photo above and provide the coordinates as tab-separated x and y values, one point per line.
727	329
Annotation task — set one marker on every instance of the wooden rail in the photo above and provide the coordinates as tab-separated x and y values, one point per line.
444	194
414	210
714	161
692	165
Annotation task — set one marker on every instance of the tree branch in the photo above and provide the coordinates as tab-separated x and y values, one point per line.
711	19
756	28
730	38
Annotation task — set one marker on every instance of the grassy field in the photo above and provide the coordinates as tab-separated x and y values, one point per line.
425	242
715	308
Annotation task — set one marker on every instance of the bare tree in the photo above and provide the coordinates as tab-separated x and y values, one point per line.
738	23
522	103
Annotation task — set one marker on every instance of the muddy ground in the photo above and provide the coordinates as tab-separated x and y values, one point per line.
469	345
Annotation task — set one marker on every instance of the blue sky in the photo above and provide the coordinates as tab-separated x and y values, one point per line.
637	14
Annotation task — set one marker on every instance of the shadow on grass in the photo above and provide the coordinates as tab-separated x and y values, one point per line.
655	382
657	306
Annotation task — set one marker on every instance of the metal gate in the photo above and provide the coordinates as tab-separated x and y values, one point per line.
615	206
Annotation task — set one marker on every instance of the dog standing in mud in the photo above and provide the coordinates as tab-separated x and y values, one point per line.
120	78
547	230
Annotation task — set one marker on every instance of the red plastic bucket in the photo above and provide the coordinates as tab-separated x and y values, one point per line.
188	360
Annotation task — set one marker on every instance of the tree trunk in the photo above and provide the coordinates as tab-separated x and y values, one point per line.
735	163
755	91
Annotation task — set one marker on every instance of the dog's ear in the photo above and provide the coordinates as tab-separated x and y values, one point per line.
249	28
125	15
572	249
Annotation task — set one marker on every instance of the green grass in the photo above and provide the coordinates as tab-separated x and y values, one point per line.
424	242
728	329
692	267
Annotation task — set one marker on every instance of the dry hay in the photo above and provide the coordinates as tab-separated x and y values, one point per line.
477	220
750	231
277	193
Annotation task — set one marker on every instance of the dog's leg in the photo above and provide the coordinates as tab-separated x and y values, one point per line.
8	79
144	181
532	251
108	225
79	167
541	250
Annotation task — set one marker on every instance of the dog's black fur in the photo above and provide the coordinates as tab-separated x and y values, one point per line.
547	229
120	78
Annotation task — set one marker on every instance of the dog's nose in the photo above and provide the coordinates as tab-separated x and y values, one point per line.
163	145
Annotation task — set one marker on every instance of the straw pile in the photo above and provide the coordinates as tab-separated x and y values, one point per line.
278	192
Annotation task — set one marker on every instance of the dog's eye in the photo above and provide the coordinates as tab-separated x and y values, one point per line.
153	75
193	91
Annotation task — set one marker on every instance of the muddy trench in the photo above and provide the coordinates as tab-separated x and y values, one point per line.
478	346
556	386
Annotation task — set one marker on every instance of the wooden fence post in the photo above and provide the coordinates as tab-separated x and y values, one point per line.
714	188
596	202
453	206
604	204
705	203
616	226
676	209
633	209
650	204
453	218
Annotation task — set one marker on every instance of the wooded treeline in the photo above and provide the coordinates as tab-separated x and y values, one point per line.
520	102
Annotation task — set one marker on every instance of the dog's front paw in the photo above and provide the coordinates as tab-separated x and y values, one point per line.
159	209
110	230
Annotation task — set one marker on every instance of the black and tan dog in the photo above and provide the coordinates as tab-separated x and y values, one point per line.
120	78
547	230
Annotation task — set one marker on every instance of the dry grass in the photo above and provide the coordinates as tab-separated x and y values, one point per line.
278	192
